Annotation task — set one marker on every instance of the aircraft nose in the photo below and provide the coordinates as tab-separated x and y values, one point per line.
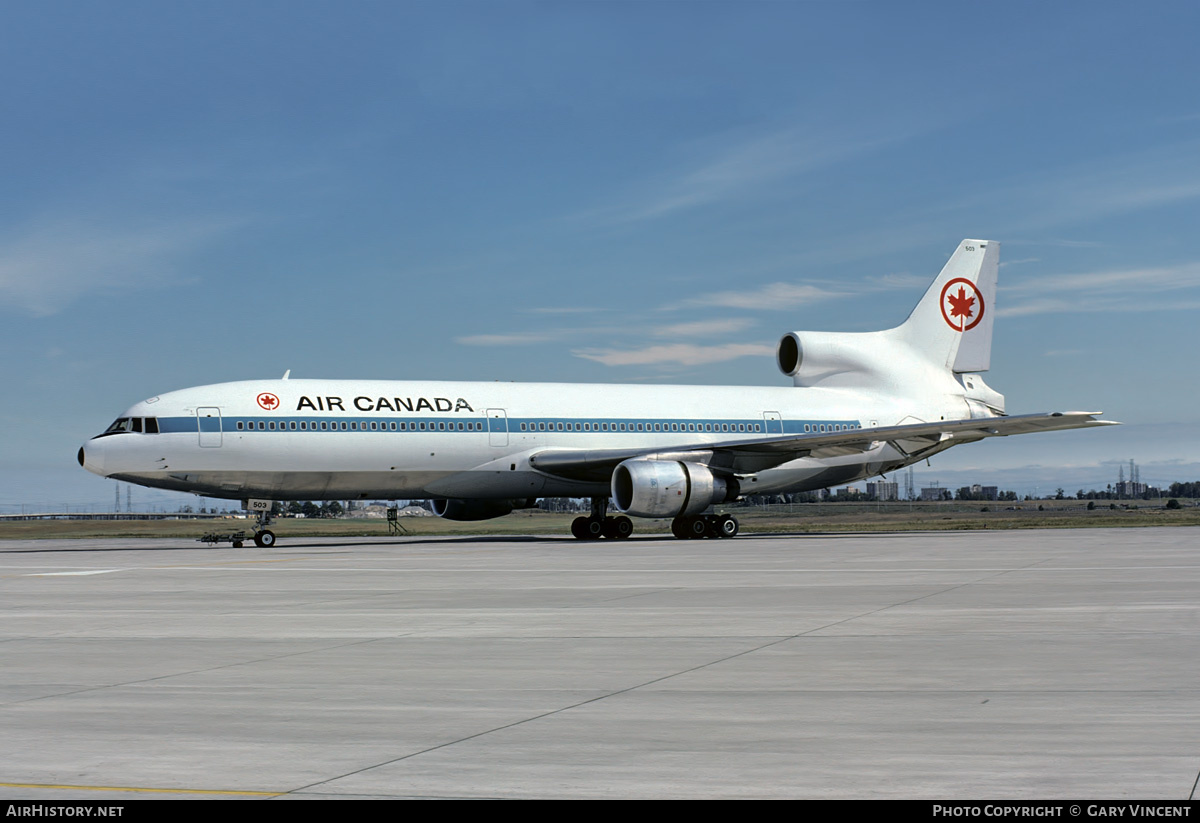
91	458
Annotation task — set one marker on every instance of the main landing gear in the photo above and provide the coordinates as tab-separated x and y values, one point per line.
600	525
691	527
699	526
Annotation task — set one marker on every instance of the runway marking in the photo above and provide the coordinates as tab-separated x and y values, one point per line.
143	789
639	570
72	574
234	563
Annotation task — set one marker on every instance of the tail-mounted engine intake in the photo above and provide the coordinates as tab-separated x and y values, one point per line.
835	358
668	488
454	509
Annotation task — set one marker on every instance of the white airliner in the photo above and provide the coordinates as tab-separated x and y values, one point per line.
862	404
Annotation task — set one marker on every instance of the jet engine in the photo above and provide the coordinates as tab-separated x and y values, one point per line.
836	358
668	488
455	509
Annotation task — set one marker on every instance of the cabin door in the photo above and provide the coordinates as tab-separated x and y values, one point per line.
774	425
497	427
208	423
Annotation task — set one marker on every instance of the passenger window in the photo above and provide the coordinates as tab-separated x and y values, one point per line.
240	425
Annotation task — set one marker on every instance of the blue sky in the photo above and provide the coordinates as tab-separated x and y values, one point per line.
597	192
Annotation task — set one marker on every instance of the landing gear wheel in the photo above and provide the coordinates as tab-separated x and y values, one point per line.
579	528
622	527
594	528
727	526
679	528
264	539
697	528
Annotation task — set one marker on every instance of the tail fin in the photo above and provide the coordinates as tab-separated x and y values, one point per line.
952	325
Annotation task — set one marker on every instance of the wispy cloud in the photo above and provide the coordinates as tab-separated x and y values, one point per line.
1096	189
770	296
54	264
743	167
678	353
513	339
888	282
1122	290
561	310
704	328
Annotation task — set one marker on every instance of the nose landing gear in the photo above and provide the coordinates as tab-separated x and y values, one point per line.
264	538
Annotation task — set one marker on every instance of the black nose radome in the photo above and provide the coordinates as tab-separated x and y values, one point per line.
80	455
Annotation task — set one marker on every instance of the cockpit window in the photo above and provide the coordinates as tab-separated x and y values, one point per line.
148	425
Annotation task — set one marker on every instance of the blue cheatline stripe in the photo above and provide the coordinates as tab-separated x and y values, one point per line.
516	425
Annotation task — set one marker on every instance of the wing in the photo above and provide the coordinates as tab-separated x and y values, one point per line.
749	455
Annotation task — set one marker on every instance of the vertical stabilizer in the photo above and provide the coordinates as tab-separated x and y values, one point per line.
952	325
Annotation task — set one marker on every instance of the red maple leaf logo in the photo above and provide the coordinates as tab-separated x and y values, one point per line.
268	401
961	305
962	311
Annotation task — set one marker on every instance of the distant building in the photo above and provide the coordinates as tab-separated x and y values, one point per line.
883	490
985	492
1130	488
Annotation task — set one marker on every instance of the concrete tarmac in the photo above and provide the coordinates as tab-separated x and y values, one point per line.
1021	664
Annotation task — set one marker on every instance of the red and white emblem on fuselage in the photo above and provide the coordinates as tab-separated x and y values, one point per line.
962	304
268	401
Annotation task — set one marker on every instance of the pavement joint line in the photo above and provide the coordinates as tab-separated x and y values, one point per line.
653	681
196	671
140	789
637	686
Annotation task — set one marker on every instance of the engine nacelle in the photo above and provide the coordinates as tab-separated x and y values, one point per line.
455	509
835	358
668	488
